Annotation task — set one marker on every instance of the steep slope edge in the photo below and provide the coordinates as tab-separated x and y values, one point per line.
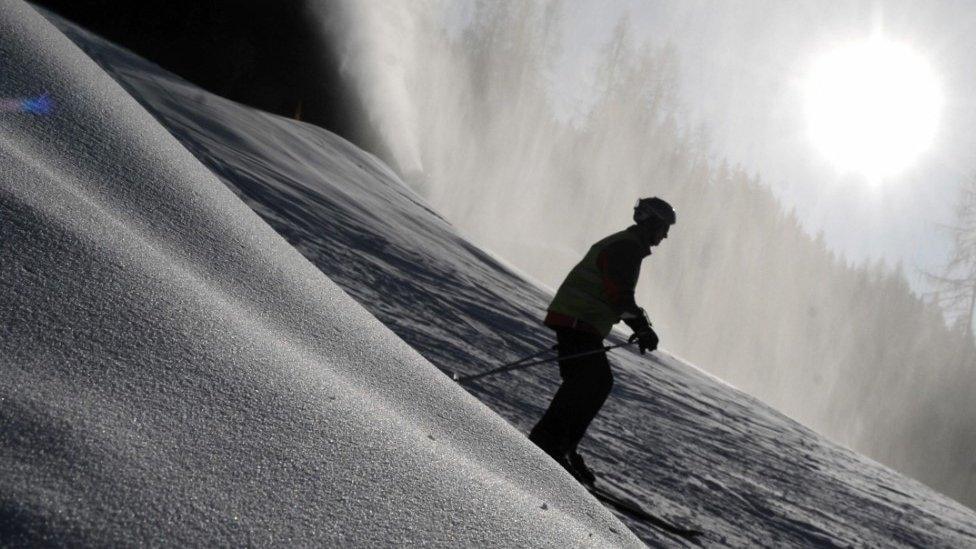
173	371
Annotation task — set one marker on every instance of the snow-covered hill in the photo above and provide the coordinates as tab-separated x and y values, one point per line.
173	370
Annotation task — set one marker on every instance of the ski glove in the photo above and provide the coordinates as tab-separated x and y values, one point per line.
646	340
643	333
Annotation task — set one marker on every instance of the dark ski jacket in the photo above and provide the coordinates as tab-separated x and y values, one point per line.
599	291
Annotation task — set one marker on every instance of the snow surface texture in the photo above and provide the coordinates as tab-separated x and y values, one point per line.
172	371
670	435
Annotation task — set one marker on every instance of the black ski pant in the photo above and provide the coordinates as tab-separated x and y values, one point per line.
586	384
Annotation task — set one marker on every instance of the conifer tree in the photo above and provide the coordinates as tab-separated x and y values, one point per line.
956	286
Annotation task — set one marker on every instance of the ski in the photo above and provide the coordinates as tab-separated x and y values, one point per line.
629	507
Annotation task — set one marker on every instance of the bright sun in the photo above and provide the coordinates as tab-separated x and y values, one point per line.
872	107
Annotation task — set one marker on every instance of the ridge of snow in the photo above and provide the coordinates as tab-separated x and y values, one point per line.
172	371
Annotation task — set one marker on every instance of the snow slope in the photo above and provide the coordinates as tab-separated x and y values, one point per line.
173	372
685	443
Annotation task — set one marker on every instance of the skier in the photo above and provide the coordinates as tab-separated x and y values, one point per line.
597	293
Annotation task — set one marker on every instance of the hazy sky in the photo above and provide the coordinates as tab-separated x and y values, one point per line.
743	64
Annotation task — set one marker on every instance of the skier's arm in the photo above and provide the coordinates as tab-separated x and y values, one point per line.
619	267
638	322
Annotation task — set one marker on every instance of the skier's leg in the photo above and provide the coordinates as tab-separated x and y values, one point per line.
560	427
597	377
595	381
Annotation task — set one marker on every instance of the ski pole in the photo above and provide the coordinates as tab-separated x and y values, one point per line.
456	376
520	365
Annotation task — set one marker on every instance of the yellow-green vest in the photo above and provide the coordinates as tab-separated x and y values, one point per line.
582	295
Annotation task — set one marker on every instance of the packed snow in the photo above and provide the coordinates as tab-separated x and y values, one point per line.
175	371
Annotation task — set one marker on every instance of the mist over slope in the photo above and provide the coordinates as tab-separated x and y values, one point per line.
690	446
172	372
470	99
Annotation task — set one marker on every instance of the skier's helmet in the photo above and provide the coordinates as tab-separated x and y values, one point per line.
654	211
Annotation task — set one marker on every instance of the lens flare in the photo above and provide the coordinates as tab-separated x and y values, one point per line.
40	105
